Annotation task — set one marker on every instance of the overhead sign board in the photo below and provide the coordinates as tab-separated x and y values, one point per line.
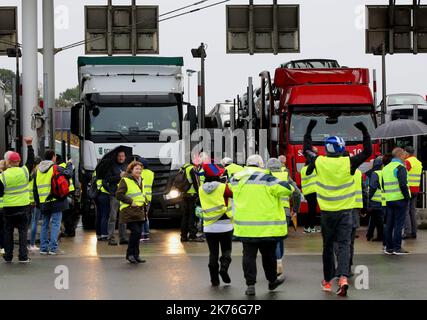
262	28
8	29
122	30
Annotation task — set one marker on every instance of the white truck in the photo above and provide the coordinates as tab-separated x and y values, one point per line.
137	102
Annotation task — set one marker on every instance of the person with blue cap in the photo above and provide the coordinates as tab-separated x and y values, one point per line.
336	195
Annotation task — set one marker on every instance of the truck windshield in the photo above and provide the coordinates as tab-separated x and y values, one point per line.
131	121
341	125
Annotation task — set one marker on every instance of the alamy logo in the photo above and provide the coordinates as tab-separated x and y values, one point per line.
361	280
62	281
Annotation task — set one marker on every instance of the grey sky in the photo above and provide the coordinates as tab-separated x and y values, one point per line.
329	29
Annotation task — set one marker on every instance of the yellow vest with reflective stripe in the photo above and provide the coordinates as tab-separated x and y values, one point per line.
335	184
391	186
308	183
379	194
358	197
15	181
70	181
188	168
43	183
99	184
414	175
148	178
283	176
31	191
133	192
231	169
213	205
258	212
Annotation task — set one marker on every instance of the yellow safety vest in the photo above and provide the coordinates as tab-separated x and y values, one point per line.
283	176
213	205
31	190
392	190
358	189
44	185
231	169
188	168
379	193
335	184
258	212
414	175
1	203
133	192
148	178
15	181
308	183
70	181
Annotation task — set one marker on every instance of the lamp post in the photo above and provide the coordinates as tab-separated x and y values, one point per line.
189	74
200	52
16	53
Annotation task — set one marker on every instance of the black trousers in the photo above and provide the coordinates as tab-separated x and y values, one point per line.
215	241
376	220
135	235
269	262
188	222
310	221
19	221
1	229
70	218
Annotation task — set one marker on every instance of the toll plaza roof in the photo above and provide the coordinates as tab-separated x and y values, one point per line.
126	60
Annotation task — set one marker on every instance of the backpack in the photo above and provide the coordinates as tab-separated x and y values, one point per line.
60	186
92	189
180	181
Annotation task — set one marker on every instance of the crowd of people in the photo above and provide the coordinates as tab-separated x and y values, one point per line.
254	204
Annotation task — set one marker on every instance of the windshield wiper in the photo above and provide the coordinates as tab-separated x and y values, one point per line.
146	131
111	131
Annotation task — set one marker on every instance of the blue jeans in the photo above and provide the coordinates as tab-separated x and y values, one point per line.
52	244
102	203
146	228
35	217
280	250
396	215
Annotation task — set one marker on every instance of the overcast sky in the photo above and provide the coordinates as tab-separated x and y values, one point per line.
329	29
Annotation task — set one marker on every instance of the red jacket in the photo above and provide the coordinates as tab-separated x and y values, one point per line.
414	190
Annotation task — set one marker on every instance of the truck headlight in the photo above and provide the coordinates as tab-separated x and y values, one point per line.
173	194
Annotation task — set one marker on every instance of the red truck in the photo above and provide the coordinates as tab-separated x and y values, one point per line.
337	98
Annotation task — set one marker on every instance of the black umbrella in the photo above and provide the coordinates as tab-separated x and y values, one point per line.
399	128
107	162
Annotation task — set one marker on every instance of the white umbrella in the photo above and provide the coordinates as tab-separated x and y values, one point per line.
399	128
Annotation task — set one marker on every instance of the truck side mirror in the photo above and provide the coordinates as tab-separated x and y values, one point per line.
192	117
75	119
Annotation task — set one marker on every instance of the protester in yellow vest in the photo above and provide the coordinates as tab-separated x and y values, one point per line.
282	159
308	188
335	195
148	178
397	195
215	200
230	167
16	202
35	212
51	208
130	193
259	219
3	167
415	169
275	168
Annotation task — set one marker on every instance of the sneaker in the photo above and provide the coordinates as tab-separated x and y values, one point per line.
315	230
132	260
342	287
225	276
401	252
27	260
389	252
112	242
250	291
327	286
33	248
273	285
307	230
57	252
44	253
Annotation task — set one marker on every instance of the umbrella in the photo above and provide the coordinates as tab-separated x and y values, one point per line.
399	128
104	167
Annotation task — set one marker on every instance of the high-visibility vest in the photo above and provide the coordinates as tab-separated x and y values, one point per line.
148	178
257	211
202	177
414	175
308	183
70	181
284	169
335	184
283	176
31	190
392	190
188	168
231	169
99	185
358	189
213	205
44	184
257	169
134	192
15	181
1	203
379	193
